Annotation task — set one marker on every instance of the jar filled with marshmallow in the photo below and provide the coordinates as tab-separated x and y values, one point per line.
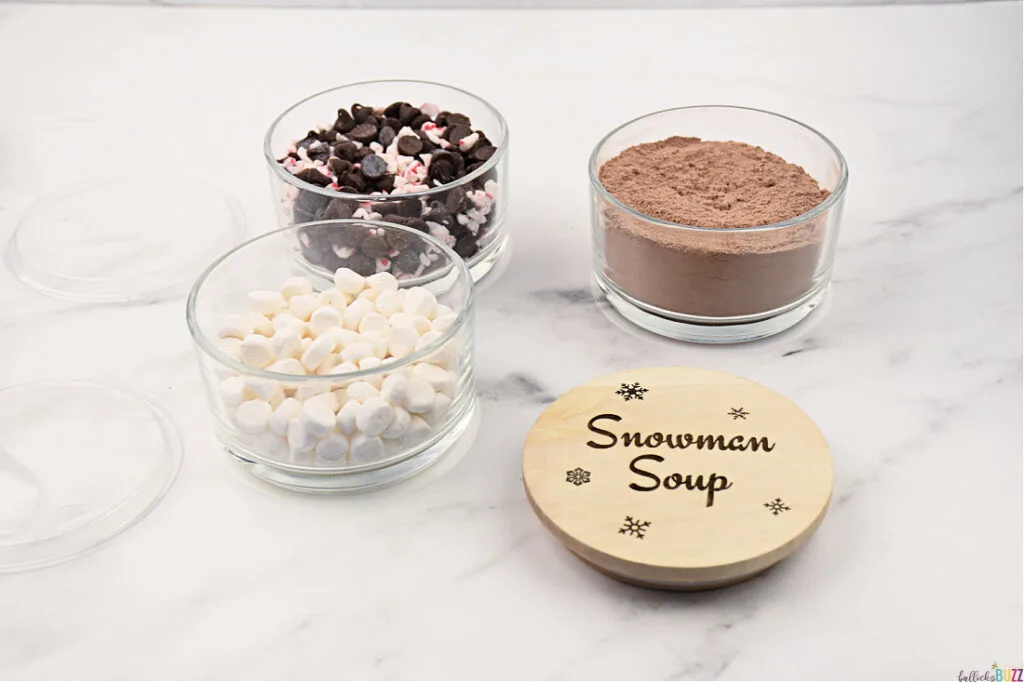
335	381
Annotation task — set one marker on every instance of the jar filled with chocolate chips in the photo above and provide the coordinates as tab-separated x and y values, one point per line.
422	155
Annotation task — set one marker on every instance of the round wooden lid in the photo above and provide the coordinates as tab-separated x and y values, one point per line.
677	478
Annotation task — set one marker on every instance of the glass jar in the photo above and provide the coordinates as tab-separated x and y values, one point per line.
468	214
717	285
263	412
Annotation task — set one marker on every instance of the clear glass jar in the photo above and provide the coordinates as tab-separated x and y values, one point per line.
332	456
717	285
454	210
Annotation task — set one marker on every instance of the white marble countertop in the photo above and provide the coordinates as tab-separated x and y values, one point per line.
913	373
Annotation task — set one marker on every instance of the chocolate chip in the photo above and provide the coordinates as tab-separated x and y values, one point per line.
319	153
309	205
386	136
407	262
466	245
418	122
344	122
338	209
419	224
458	120
361	113
363	151
373	166
442	118
364	132
375	247
348	189
348	237
309	139
407	112
386	183
442	171
398	241
346	150
391	122
353	179
454	201
373	120
339	166
456	132
473	166
410	208
428	144
314	177
392	109
410	145
327	136
483	153
361	264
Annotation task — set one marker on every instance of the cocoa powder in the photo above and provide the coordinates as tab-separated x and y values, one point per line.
718	272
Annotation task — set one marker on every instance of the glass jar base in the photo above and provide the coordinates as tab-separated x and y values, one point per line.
359	481
696	330
482	263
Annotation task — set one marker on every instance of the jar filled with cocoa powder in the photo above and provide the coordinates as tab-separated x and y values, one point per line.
715	223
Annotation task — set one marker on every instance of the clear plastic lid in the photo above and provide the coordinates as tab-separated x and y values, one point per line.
116	241
79	463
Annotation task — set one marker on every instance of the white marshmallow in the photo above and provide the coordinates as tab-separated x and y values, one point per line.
300	439
399	423
393	389
329	363
373	323
419	396
382	281
373	417
343	337
332	448
368	294
286	343
303	457
377	343
230	346
420	324
269	303
296	286
355	312
310	389
348	282
317	417
328	399
233	391
317	351
402	320
288	410
365	449
443	322
255	351
361	391
439	412
390	302
261	324
303	305
286	320
236	326
356	352
347	417
262	388
420	301
372	362
252	415
427	339
418	431
324	319
401	341
334	298
287	366
440	379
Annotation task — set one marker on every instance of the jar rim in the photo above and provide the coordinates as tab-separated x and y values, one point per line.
831	200
287	177
207	345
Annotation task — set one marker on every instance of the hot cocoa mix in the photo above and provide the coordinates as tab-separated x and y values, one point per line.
720	272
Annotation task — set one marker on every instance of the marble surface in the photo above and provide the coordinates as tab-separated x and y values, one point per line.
913	372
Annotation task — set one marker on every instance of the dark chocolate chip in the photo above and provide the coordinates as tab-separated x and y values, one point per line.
418	122
418	224
483	153
407	261
314	177
328	135
319	153
398	241
410	145
386	136
346	150
353	179
442	118
361	264
455	200
375	247
373	120
392	109
386	183
442	171
339	166
344	122
361	113
458	120
428	144
407	112
391	123
349	237
410	208
373	166
309	205
364	132
456	132
348	189
473	166
309	139
339	209
466	245
363	151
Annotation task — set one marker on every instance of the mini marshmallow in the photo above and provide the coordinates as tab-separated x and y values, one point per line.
348	282
236	326
373	417
317	351
328	399
287	366
401	341
347	417
329	363
233	391
419	396
377	343
382	281
420	301
334	298
296	286
393	389
252	415
332	448
356	352
288	410
230	346
372	362
269	303
286	343
421	324
317	417
303	305
373	323
324	319
308	390
255	351
365	449
261	324
399	423
440	379
355	312
443	322
361	391
417	432
343	337
439	411
368	294
286	320
299	438
442	310
402	320
390	302
427	339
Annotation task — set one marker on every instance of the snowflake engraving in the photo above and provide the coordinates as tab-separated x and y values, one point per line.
577	476
631	392
776	506
634	527
738	413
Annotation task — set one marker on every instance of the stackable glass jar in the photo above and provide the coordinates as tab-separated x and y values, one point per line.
296	461
717	284
458	207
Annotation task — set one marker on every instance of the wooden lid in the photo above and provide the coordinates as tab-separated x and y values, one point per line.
677	478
